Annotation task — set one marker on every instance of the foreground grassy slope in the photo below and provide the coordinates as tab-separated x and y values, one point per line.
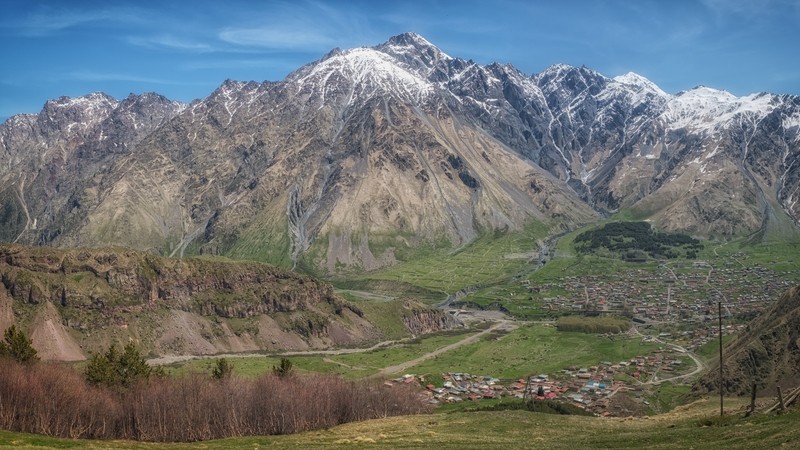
694	426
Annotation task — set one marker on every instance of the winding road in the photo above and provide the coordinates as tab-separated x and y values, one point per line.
501	325
700	365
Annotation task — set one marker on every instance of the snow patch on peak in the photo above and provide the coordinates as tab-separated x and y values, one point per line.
636	80
706	94
554	72
368	70
19	119
89	101
410	39
557	68
706	109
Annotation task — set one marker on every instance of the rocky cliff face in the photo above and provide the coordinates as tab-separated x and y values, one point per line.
91	297
420	319
356	160
767	353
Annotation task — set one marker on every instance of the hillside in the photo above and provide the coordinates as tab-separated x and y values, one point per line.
767	353
682	429
72	302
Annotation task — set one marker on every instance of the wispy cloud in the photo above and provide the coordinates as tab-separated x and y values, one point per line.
171	42
302	26
288	38
267	63
48	21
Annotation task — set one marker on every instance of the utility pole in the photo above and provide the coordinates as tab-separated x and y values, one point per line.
721	409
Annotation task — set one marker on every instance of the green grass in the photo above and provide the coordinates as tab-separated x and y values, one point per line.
667	396
491	258
353	365
710	350
265	241
383	314
695	427
532	349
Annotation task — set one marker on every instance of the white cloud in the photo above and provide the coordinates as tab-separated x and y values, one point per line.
170	41
276	38
303	26
270	63
47	21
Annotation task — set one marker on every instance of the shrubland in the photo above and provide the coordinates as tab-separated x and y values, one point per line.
56	400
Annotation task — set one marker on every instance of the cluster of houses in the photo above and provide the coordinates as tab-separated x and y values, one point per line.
590	388
689	293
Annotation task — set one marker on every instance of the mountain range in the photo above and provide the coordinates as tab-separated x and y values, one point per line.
360	159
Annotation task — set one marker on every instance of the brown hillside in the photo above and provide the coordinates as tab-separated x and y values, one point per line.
75	301
767	353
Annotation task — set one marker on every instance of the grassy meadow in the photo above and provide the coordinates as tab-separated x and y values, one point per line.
692	426
528	349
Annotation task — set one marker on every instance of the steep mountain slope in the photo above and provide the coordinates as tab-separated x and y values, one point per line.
360	159
768	353
58	164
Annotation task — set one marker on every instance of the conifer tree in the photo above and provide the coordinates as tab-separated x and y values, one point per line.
17	346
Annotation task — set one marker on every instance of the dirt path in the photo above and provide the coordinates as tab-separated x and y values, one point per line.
700	365
390	370
165	360
502	325
369	295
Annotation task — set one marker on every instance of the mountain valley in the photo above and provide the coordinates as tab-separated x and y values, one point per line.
394	209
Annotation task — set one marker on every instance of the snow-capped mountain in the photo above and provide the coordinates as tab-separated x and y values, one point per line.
358	158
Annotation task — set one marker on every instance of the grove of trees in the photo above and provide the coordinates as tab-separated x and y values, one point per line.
637	240
593	324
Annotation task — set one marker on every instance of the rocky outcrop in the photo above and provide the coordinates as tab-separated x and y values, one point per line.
420	319
89	290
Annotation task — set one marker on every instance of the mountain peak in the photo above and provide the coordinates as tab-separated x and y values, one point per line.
88	99
702	90
415	51
562	71
636	80
370	71
409	39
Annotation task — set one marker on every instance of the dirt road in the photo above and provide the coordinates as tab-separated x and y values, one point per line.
502	325
164	360
397	368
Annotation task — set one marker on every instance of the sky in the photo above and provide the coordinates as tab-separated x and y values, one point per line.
186	49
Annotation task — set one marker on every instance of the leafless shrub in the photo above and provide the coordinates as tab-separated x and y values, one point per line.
55	400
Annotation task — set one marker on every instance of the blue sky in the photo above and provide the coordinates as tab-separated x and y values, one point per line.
184	50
